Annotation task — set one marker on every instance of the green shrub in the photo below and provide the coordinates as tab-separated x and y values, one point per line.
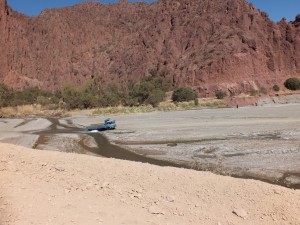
292	83
183	94
77	98
276	87
253	92
155	97
5	95
150	90
220	94
263	90
27	96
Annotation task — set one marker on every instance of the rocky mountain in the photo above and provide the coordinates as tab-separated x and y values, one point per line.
207	45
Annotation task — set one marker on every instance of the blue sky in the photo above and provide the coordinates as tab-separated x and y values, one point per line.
276	9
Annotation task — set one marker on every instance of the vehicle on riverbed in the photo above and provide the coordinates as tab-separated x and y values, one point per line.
108	124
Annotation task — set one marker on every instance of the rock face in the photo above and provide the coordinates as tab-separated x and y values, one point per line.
206	45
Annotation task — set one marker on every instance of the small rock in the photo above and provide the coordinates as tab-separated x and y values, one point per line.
89	186
240	213
172	144
104	184
139	190
292	180
58	168
136	191
138	195
155	210
181	214
170	198
98	187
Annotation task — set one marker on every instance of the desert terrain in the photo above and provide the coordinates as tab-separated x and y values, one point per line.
102	184
250	142
224	166
54	188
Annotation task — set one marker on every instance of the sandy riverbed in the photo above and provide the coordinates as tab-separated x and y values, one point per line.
258	142
50	187
249	142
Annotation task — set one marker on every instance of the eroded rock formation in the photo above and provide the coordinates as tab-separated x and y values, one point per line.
208	45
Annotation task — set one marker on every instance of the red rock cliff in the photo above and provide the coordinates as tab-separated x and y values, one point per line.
207	45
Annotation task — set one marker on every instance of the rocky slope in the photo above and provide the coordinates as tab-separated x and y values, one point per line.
208	45
40	187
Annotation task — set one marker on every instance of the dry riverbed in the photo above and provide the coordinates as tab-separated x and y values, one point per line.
55	188
249	142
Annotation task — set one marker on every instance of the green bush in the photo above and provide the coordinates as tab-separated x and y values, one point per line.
5	95
31	94
253	92
95	93
292	83
77	98
161	79
183	94
27	96
276	87
150	90
155	97
220	94
263	90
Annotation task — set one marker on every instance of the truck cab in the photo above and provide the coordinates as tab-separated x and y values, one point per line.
108	124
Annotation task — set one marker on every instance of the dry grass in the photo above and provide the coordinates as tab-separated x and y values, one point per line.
203	103
29	110
38	110
123	110
170	106
163	106
212	103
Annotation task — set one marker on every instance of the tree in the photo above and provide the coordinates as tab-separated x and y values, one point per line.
292	83
149	90
182	94
276	87
5	95
155	97
220	94
77	98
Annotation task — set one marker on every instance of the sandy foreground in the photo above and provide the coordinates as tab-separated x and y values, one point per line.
43	187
